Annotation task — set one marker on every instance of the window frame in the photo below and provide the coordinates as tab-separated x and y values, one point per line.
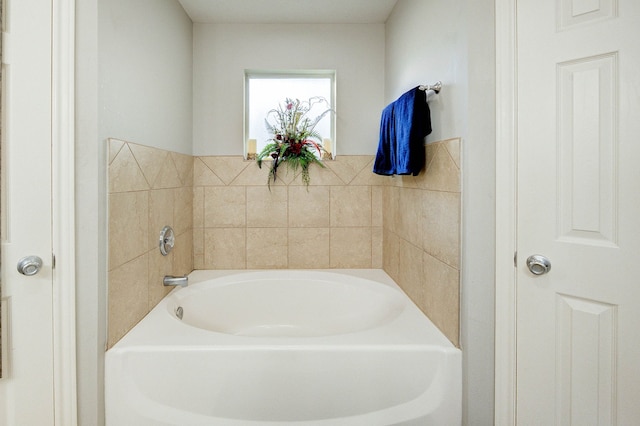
290	74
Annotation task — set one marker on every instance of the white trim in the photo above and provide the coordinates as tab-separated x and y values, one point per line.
63	205
266	74
506	218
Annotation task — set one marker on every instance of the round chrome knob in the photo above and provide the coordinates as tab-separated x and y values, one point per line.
29	265
167	240
538	264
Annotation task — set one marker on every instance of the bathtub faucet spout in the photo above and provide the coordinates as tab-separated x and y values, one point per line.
169	280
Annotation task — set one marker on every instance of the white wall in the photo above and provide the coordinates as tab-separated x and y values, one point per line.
223	51
133	81
145	73
452	41
426	42
91	253
478	238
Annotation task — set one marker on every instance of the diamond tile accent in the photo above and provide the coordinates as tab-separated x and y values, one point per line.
320	176
253	175
367	177
168	177
150	160
226	168
453	147
184	165
348	167
125	174
442	173
115	145
203	176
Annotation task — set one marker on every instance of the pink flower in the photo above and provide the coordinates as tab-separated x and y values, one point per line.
289	105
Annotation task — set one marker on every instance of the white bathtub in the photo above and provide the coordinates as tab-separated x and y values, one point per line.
284	347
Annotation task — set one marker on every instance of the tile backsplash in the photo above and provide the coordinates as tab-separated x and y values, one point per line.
148	189
240	223
421	249
225	217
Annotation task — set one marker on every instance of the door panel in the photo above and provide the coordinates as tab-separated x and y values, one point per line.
578	179
26	390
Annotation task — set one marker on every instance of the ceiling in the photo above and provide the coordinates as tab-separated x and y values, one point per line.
289	11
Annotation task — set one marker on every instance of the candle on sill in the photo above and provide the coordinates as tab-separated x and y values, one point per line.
326	144
251	148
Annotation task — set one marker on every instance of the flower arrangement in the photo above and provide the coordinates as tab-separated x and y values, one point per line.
294	140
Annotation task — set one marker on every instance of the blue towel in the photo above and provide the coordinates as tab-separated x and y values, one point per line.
403	126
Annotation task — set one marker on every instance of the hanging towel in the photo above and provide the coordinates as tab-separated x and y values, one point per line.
403	126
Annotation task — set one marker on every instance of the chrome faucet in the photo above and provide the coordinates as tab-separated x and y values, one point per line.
169	280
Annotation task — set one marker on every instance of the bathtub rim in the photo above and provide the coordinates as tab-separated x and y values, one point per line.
411	328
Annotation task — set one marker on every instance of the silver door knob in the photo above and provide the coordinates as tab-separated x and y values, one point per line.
538	264
29	265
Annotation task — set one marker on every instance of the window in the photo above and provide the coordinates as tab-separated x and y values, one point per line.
265	90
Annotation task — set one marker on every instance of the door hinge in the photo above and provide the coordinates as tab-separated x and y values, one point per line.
53	261
515	259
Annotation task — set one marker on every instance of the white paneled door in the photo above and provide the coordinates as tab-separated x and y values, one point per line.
27	386
578	114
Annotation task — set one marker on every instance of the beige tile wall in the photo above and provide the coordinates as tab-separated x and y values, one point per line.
421	249
148	189
239	223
